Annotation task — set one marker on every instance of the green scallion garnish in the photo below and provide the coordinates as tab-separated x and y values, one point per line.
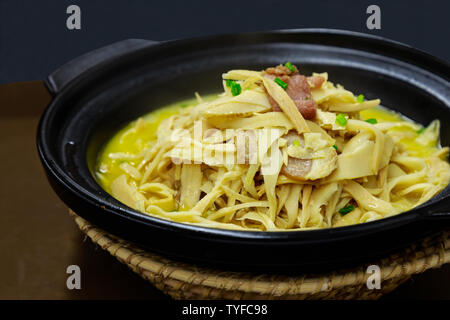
341	119
281	83
296	143
335	146
228	82
347	209
360	98
372	121
236	89
420	130
289	66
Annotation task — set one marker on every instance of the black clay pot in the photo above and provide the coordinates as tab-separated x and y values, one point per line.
97	93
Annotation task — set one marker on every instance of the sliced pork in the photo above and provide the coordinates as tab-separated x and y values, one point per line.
298	89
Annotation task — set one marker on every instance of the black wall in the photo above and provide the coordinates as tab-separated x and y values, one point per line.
34	39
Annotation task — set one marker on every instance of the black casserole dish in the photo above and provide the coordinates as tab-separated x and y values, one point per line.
97	93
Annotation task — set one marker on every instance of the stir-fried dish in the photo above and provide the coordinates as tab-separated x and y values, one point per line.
276	150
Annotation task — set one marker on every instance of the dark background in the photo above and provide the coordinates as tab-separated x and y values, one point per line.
34	39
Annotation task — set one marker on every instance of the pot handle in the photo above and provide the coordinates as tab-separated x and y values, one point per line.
65	74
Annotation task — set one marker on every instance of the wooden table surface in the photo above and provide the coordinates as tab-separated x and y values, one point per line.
39	240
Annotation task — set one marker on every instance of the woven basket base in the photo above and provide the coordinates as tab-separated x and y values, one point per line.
185	281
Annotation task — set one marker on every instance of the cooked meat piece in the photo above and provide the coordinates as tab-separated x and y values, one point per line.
298	89
297	168
316	81
308	157
280	70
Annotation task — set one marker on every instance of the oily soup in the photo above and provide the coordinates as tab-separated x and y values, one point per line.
275	151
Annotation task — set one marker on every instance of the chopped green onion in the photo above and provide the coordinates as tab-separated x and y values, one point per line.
234	86
236	89
296	143
335	146
289	66
347	209
281	83
360	98
372	121
341	119
307	98
420	130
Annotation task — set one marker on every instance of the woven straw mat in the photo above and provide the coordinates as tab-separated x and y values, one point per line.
185	281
